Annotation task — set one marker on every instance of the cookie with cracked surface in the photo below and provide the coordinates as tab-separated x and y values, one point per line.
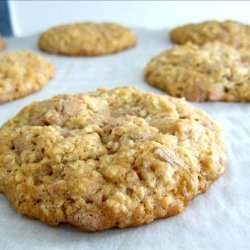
22	73
87	39
108	158
230	32
212	72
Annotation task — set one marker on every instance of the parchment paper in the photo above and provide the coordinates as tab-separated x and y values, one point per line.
219	219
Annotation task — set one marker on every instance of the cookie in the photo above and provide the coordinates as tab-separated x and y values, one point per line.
87	39
230	32
211	72
108	158
22	73
2	43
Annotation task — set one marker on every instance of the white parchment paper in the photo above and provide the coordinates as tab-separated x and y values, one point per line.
218	219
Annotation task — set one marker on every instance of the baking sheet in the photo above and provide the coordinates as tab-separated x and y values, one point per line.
220	218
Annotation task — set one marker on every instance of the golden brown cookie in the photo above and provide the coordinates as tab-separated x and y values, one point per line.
108	158
22	73
212	72
87	39
2	43
229	32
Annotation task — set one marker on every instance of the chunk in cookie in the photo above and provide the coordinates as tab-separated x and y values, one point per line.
108	158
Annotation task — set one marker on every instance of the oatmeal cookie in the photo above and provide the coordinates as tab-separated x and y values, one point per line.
2	43
212	72
22	73
108	158
87	39
229	32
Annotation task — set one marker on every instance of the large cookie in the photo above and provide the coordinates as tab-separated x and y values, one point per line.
212	72
229	32
22	73
88	39
109	158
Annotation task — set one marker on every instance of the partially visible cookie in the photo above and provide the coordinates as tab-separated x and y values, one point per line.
108	158
229	32
2	43
87	39
22	73
212	72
